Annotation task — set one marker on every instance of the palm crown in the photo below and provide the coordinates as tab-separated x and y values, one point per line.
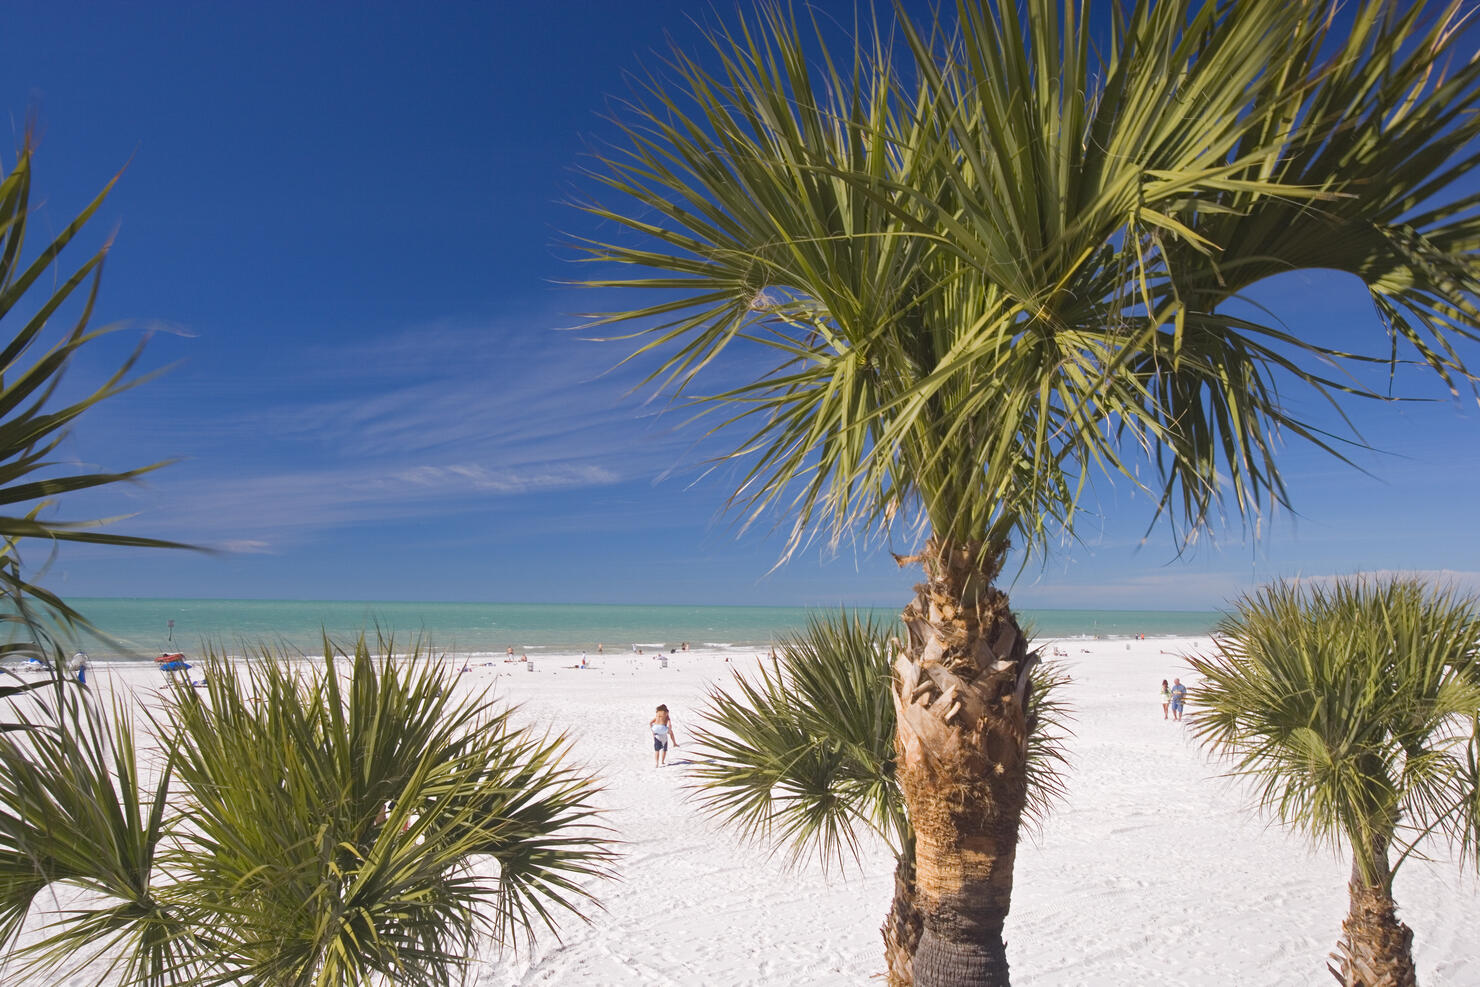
1001	266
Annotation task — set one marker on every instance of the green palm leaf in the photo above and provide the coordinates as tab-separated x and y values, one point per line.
33	425
81	811
342	824
980	288
800	755
1350	710
1354	714
389	791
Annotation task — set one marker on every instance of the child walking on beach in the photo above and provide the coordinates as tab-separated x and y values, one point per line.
662	728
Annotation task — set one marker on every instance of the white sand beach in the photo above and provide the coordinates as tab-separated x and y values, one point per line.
1154	872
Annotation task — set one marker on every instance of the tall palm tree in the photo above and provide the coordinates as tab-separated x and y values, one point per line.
1354	712
334	827
33	425
937	286
801	755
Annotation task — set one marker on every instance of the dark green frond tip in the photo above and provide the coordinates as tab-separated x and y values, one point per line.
34	477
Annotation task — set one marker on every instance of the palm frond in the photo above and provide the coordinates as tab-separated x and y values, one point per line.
1049	714
347	823
800	755
81	811
33	480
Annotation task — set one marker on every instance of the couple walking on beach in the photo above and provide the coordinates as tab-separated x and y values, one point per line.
1173	699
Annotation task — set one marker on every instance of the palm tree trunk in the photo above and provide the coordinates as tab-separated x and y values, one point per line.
902	927
1376	950
960	689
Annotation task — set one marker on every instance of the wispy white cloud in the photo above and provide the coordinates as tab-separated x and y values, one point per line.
1164	589
253	513
479	478
246	546
426	422
1457	579
1175	589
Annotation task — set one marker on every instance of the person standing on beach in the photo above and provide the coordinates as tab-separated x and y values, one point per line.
1179	698
663	732
1166	699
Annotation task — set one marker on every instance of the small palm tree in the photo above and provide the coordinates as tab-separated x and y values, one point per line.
802	756
33	426
934	287
344	826
1354	712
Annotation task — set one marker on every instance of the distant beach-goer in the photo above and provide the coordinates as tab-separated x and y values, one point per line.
1166	699
663	733
1179	698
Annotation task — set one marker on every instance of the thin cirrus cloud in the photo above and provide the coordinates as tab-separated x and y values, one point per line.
1170	588
1458	580
258	514
246	546
480	479
533	396
422	424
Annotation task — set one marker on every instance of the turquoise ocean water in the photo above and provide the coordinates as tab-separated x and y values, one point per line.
141	627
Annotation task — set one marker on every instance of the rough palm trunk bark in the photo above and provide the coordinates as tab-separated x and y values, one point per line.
961	691
902	927
1376	950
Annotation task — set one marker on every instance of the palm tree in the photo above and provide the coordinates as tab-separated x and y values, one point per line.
33	426
342	826
802	755
935	288
1354	712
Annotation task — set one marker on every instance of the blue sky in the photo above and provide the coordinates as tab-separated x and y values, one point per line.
342	225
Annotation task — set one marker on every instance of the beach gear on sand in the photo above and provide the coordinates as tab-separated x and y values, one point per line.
172	662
